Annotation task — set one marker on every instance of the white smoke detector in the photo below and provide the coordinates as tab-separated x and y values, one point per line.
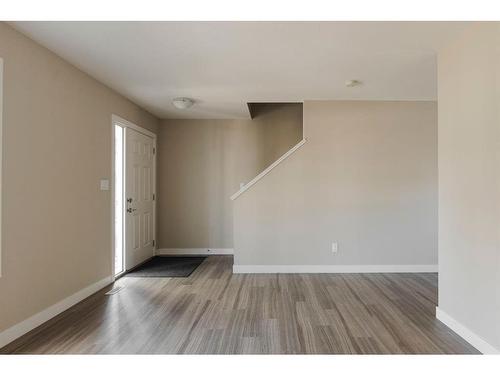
182	103
352	83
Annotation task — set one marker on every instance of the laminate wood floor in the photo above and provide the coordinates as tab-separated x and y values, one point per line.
214	311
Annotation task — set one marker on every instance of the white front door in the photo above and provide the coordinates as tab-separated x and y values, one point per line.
139	194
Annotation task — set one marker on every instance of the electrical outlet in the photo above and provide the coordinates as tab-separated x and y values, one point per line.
335	247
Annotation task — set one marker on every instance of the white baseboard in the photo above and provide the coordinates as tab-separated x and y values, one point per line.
16	331
464	332
195	251
334	268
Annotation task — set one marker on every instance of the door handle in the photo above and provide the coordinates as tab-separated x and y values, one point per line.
129	210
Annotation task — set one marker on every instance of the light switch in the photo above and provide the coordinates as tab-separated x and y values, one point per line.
104	184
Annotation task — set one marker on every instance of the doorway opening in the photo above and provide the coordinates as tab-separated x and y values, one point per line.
134	195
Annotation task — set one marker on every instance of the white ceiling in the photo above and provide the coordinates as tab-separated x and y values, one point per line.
224	65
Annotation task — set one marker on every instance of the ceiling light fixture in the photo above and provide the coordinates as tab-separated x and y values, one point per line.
182	103
352	83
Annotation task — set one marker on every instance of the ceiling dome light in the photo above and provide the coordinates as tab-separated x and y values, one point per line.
182	103
352	83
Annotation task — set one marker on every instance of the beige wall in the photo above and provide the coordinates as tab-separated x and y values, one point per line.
366	178
56	148
201	164
469	181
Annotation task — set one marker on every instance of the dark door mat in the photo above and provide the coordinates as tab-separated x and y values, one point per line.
165	266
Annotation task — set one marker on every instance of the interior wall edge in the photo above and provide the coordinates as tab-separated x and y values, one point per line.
468	335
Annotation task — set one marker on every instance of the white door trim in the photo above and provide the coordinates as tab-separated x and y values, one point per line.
1	153
127	124
117	120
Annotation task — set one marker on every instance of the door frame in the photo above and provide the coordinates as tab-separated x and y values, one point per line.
117	120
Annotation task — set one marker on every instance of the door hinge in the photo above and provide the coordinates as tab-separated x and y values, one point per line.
153	242
153	197
154	150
